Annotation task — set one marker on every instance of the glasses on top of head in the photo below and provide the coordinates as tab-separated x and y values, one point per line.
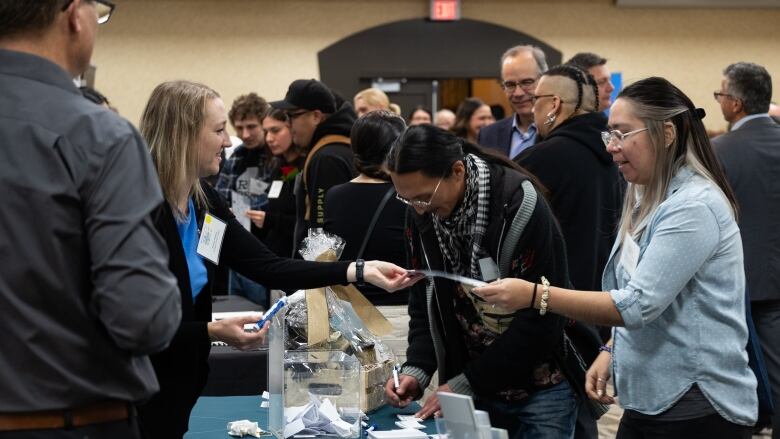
418	203
526	84
616	136
717	95
104	9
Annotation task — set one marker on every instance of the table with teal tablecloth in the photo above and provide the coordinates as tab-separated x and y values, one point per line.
211	414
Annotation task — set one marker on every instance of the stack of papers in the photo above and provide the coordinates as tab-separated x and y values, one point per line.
317	418
409	421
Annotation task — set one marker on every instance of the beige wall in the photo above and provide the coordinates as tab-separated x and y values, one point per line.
261	45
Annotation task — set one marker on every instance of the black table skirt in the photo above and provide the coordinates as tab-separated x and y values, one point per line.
234	372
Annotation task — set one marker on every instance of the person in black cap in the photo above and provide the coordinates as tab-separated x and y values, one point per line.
321	126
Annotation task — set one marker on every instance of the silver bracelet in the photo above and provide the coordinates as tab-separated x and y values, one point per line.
545	296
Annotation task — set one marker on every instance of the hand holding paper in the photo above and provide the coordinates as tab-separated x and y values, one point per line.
231	331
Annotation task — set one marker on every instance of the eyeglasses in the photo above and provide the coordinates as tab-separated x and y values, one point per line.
534	98
418	203
526	84
616	136
292	115
104	9
717	95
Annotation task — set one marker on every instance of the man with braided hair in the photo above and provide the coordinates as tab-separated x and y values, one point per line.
585	187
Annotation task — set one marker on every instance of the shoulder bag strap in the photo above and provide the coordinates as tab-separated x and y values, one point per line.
378	212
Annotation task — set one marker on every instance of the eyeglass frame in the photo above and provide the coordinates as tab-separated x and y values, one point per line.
607	136
526	84
418	203
111	7
292	115
717	95
534	98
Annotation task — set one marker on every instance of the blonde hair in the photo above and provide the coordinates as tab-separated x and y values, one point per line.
656	102
374	97
171	124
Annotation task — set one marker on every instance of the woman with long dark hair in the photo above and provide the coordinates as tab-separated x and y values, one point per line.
472	116
674	285
278	221
463	205
365	212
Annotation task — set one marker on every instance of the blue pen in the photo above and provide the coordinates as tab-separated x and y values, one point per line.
271	312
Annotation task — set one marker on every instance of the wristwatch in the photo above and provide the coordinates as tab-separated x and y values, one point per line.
359	266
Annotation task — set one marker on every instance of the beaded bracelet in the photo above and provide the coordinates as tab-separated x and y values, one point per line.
545	296
605	348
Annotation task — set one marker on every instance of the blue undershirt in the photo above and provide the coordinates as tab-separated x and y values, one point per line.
188	232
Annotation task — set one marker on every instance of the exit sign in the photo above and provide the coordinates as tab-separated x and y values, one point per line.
445	10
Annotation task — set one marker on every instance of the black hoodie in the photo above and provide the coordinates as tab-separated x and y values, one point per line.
586	192
329	166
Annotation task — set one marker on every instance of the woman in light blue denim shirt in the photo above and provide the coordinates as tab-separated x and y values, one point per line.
674	284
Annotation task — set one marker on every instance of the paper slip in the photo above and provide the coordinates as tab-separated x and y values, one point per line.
409	433
241	204
276	189
329	410
341	427
226	315
408	418
293	427
266	395
265	405
453	277
410	424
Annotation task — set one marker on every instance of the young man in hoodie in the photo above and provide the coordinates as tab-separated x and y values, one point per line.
320	124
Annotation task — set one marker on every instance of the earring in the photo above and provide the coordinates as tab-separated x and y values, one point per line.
550	120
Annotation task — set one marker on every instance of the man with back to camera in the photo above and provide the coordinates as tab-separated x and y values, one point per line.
521	67
85	288
322	127
750	155
597	67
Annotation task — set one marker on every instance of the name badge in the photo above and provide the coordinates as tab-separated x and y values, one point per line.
276	189
629	255
489	269
211	236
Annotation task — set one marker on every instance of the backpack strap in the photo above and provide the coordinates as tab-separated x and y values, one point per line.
326	140
516	228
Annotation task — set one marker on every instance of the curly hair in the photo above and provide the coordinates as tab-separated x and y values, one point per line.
246	106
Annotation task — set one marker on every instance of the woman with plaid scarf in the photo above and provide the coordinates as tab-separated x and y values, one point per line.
463	201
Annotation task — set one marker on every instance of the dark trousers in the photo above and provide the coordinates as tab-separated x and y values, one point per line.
586	427
707	427
108	430
766	317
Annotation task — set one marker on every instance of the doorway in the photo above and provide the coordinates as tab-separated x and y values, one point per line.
420	62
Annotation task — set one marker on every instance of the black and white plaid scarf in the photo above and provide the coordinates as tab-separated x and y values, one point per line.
460	236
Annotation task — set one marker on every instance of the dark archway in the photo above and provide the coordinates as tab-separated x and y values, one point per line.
419	49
